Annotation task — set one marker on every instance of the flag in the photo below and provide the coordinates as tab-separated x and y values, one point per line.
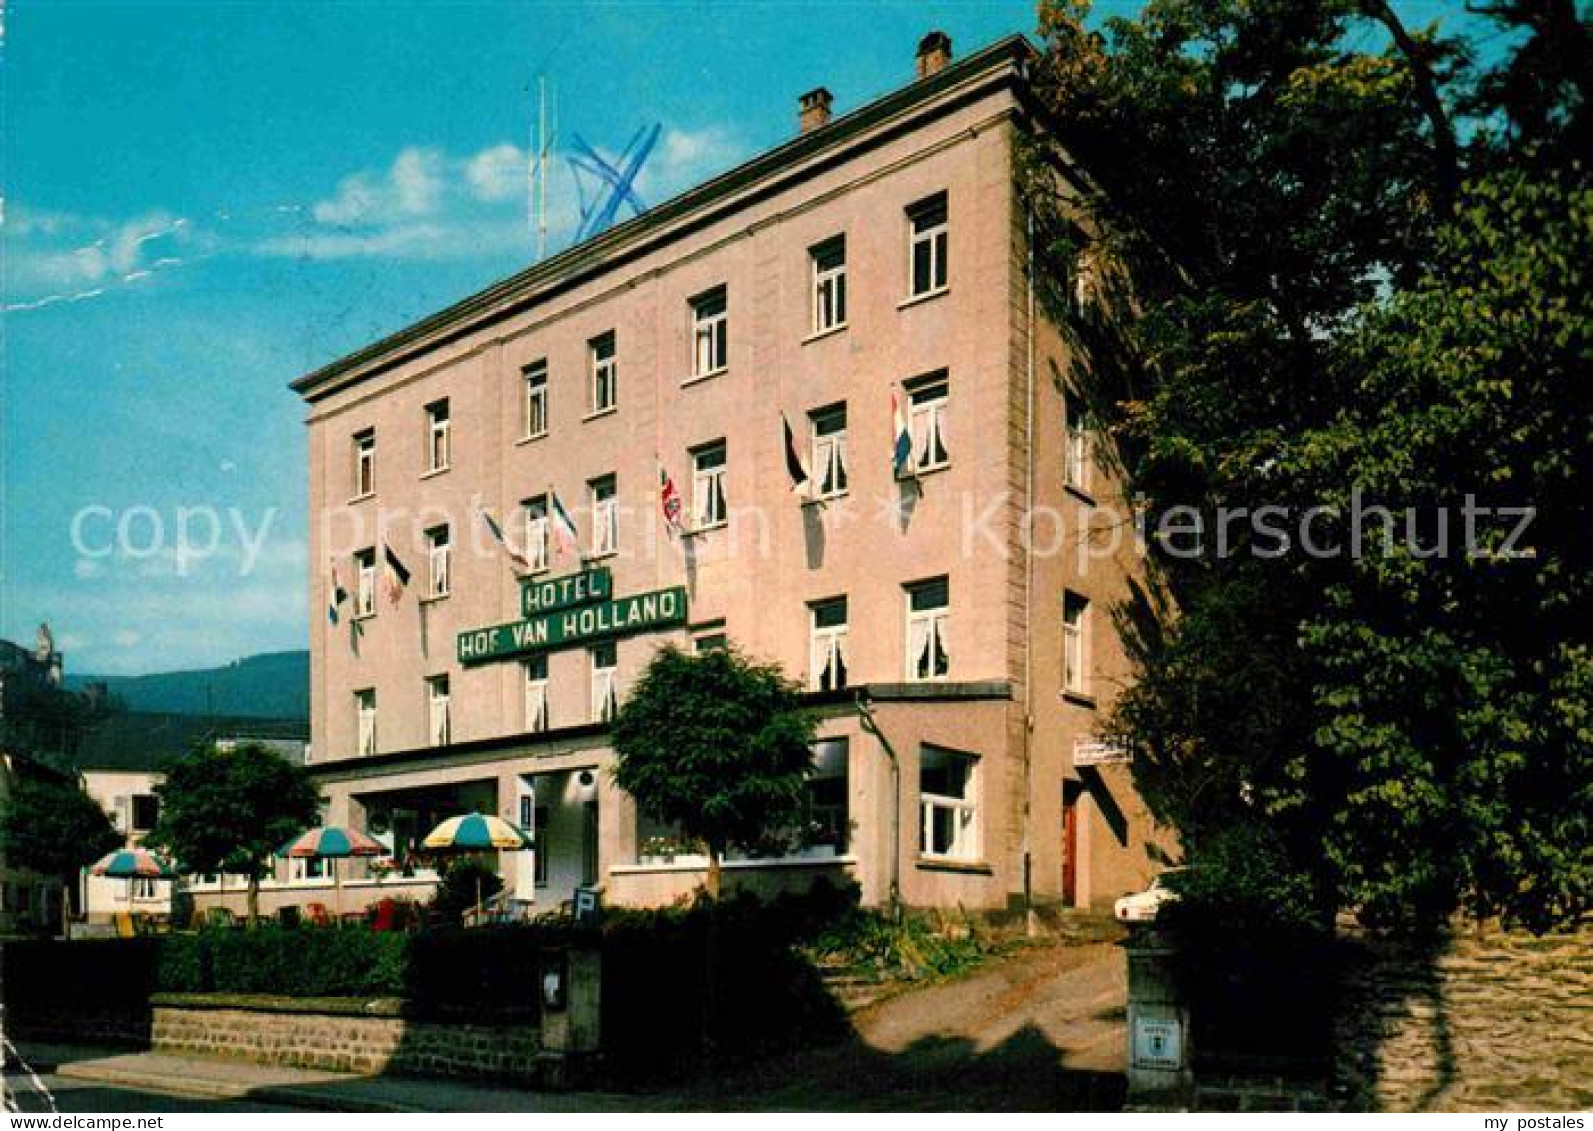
793	462
563	525
902	438
339	595
397	574
669	500
502	539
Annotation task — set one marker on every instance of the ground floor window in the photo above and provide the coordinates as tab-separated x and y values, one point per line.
947	804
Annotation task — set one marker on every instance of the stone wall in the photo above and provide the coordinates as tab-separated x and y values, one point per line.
1495	1022
347	1041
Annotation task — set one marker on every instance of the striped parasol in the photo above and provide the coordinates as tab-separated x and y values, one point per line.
476	832
132	864
331	842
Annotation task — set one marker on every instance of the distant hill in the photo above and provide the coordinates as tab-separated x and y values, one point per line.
273	685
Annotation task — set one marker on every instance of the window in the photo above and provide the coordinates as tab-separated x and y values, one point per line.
829	284
927	251
605	696
437	696
829	450
365	585
710	333
605	515
537	532
536	693
365	463
143	887
146	811
437	560
439	451
947	802
605	372
365	713
710	642
708	486
536	399
827	649
1075	644
926	422
927	614
828	821
1076	453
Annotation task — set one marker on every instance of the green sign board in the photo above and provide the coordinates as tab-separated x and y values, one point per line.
563	592
571	627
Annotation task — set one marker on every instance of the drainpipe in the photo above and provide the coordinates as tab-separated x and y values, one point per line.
1028	582
866	717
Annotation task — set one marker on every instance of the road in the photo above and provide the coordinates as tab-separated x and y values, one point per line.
87	1096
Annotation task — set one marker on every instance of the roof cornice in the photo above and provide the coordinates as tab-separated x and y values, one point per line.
1001	63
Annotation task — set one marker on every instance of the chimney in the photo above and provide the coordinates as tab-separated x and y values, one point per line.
813	110
934	52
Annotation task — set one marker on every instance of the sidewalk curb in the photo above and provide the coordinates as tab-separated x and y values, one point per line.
290	1095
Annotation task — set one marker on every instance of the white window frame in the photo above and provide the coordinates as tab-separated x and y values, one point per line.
829	284
828	426
934	240
710	332
964	844
144	887
927	403
927	628
538	533
710	505
439	713
365	583
827	645
535	377
439	437
439	559
364	463
1076	447
605	686
1075	643
605	515
535	671
604	372
365	717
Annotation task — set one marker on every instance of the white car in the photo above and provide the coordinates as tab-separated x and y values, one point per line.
1143	906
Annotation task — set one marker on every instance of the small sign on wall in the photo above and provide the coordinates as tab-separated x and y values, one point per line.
1158	1042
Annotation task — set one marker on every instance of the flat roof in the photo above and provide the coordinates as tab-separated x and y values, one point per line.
1004	58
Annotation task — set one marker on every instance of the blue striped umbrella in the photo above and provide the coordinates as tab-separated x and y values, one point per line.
478	832
131	864
331	842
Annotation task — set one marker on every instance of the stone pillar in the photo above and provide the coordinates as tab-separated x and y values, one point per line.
571	1016
1159	1074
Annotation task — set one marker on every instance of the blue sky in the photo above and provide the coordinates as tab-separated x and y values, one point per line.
203	201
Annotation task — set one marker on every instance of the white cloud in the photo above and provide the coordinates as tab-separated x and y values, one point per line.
412	186
498	172
418	181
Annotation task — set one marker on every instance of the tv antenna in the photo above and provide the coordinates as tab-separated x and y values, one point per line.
615	181
537	171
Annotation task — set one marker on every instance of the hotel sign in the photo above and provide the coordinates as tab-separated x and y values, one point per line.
563	592
573	626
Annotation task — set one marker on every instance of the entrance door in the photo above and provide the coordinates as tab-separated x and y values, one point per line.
1070	842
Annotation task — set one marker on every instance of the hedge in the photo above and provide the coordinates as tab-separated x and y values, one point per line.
660	1015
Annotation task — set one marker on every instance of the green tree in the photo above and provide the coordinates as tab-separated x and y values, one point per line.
229	810
54	829
1298	251
717	744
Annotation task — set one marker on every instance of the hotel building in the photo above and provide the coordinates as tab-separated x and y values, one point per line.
868	274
